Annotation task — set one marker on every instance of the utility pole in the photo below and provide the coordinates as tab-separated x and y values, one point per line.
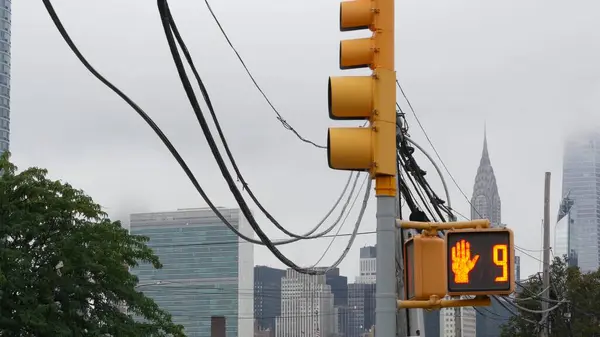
545	331
402	318
385	293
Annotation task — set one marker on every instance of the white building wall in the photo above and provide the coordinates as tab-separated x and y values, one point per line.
368	265
306	306
458	322
469	320
368	271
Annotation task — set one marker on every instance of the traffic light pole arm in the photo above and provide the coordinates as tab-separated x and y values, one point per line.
436	303
431	228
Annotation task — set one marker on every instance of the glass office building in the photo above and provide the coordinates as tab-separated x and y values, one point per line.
581	183
5	10
207	270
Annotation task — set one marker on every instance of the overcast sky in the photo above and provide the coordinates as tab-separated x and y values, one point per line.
527	68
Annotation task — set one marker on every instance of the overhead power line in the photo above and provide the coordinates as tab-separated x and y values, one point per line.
433	147
235	242
221	134
168	25
144	116
152	124
280	118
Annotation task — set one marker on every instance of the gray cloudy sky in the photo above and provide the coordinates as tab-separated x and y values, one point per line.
528	68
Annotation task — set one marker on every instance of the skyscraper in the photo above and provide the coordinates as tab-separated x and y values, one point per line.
267	296
339	286
368	265
307	308
361	304
465	322
207	270
487	205
581	182
5	33
486	199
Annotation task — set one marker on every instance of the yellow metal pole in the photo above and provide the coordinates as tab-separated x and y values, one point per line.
436	303
481	223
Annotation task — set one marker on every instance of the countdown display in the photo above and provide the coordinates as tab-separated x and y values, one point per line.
480	262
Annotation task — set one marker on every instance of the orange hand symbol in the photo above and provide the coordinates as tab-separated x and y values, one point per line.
461	261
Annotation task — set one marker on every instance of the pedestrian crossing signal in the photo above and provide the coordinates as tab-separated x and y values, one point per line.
480	262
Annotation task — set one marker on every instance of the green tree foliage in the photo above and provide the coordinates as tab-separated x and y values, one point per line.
64	264
579	316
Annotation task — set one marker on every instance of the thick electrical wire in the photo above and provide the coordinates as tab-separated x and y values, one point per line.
341	225
520	307
434	149
57	22
168	29
215	119
416	177
237	242
280	118
142	114
407	162
419	175
441	175
411	179
166	19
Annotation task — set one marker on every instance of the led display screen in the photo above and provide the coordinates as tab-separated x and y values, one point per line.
479	261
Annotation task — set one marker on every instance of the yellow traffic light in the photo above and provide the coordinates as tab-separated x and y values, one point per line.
371	97
480	262
425	270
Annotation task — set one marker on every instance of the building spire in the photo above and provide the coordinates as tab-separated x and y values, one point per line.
485	156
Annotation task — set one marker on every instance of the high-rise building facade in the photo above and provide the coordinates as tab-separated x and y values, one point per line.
581	183
5	37
267	296
339	289
307	308
339	286
486	199
207	270
361	304
368	265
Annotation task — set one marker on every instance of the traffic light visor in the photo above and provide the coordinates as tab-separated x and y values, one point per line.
349	148
355	15
356	53
350	97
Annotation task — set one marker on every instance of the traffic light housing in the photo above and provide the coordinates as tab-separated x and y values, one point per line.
371	97
480	262
425	267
